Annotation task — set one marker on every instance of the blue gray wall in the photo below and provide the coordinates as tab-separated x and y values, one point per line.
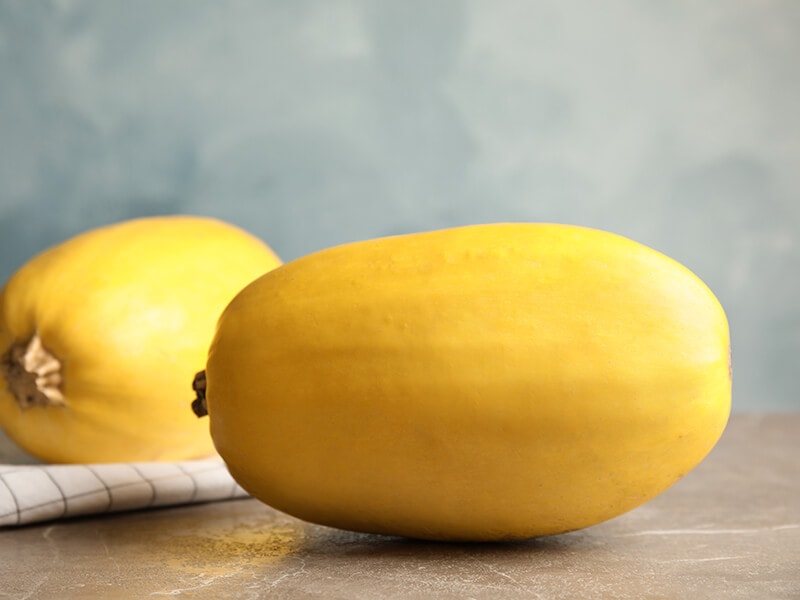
313	123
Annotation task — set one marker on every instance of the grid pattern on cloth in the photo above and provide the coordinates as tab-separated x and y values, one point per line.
35	493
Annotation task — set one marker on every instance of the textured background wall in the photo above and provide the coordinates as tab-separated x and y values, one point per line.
318	122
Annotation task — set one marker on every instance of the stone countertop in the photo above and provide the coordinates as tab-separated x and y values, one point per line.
729	529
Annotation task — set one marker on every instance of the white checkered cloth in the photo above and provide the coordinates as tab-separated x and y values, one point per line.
35	493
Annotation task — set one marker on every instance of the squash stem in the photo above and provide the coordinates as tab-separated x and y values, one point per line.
33	374
199	406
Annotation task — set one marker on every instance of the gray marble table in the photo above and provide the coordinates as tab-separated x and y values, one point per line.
730	529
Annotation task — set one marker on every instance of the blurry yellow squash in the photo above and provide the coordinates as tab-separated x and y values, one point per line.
99	334
480	383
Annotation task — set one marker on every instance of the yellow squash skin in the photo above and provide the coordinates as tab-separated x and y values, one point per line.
489	382
129	310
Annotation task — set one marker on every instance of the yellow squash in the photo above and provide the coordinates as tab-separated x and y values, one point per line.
480	383
99	334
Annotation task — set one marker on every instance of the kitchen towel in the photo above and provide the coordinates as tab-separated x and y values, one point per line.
35	493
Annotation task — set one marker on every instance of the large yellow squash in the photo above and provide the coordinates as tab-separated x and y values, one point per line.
480	383
99	334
